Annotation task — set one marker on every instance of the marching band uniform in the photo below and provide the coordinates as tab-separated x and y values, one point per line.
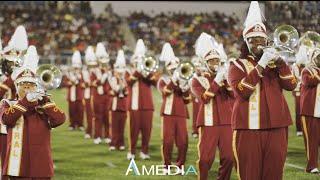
75	85
310	111
100	108
140	104
297	68
174	111
214	118
87	77
100	96
195	101
12	52
119	103
261	116
195	111
29	149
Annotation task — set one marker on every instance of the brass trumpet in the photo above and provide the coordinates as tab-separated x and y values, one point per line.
149	64
285	39
186	69
49	76
310	39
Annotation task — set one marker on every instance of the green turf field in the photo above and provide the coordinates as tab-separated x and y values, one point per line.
78	158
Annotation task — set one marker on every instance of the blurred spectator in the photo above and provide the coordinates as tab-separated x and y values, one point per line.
182	30
61	27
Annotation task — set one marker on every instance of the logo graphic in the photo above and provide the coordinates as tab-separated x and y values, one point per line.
159	170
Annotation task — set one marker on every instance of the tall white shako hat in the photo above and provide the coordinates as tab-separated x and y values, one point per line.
120	63
27	72
167	55
76	59
207	48
90	57
253	25
102	54
223	55
17	45
139	52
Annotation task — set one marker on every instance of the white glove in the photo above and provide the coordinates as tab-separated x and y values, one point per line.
220	75
104	78
139	67
175	77
268	55
33	96
295	71
184	85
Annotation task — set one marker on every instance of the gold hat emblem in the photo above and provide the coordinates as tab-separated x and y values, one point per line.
27	73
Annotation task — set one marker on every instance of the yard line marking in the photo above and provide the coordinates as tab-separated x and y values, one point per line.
294	166
110	164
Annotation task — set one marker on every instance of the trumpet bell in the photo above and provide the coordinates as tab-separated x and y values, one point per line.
286	36
310	39
186	70
49	76
149	64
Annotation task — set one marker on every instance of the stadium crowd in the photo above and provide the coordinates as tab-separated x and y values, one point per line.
62	26
182	30
72	25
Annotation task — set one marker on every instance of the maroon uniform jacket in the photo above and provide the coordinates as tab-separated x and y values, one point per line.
259	100
119	98
75	89
107	90
173	99
96	87
310	92
216	106
28	148
7	91
140	92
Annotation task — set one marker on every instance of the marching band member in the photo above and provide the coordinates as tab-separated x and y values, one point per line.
29	120
214	119
11	55
91	63
195	101
310	109
101	98
119	107
140	103
260	116
297	67
75	85
174	112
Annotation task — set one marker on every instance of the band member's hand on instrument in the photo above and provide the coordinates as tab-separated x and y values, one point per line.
220	76
33	96
268	55
175	77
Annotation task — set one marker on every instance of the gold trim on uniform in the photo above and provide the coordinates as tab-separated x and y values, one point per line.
304	125
234	149
48	105
286	76
247	85
19	107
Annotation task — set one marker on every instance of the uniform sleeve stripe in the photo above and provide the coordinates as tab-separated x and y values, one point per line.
48	105
247	85
3	86
290	76
19	107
